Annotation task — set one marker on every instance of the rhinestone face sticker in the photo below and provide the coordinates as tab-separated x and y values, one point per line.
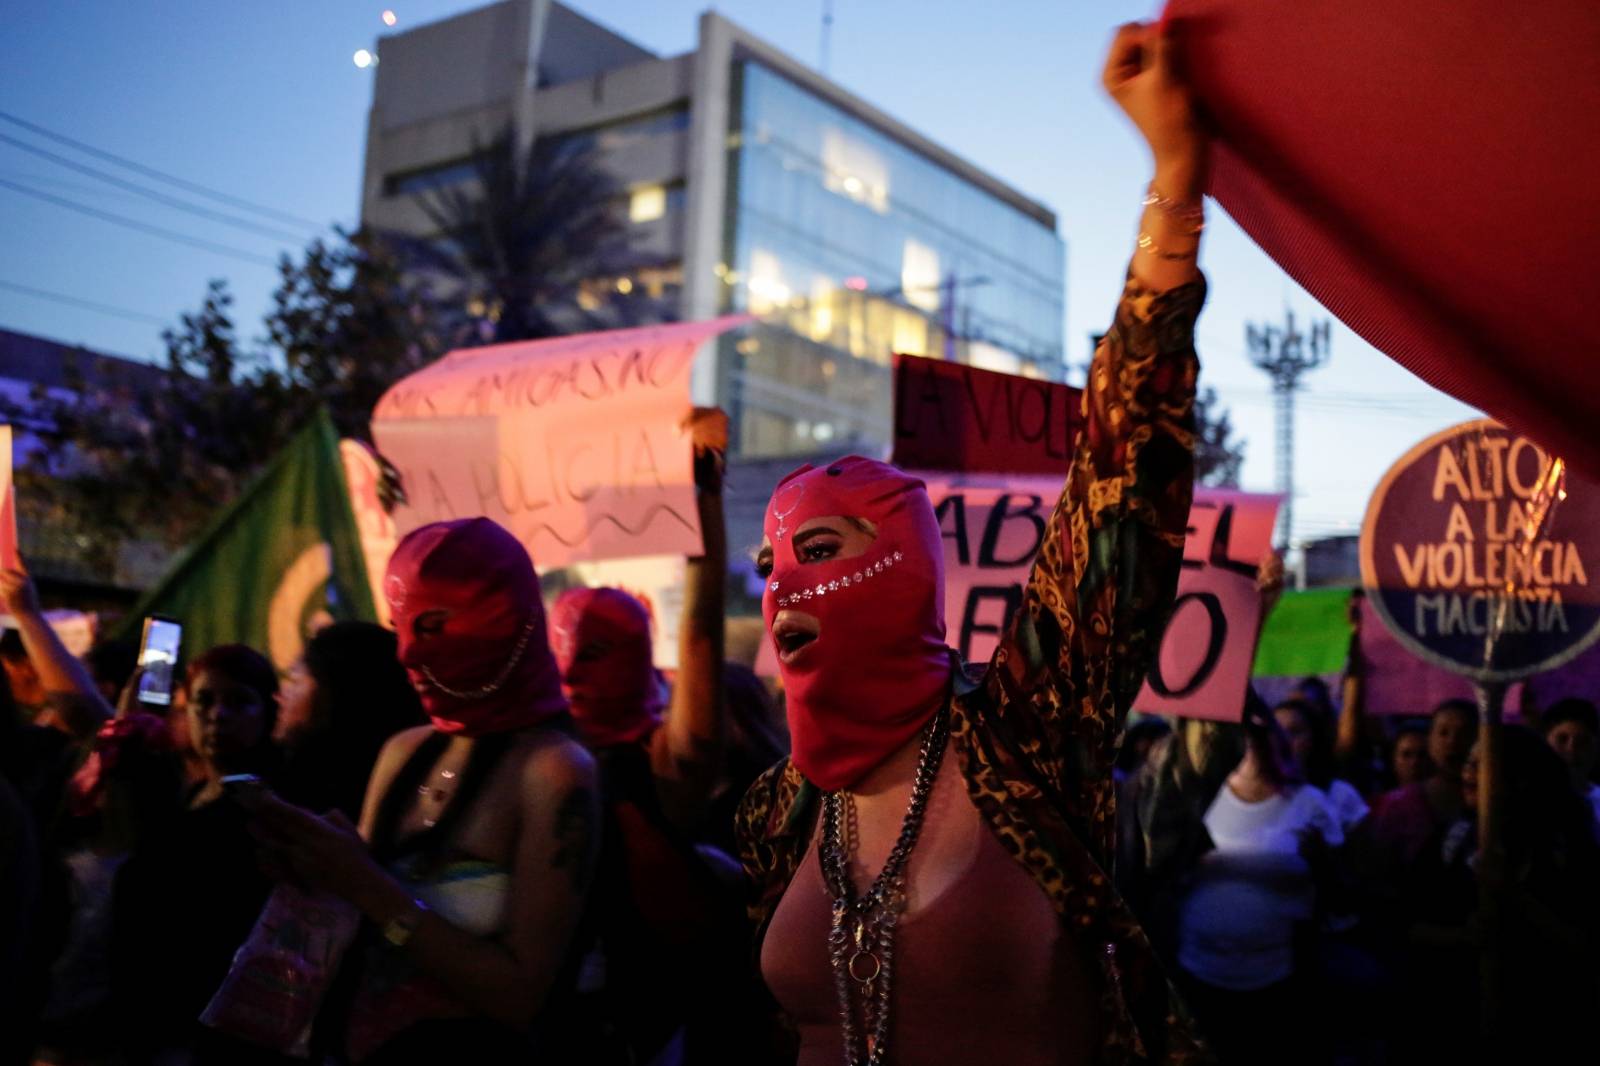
835	584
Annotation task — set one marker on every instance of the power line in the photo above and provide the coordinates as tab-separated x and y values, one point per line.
151	194
63	298
143	227
151	172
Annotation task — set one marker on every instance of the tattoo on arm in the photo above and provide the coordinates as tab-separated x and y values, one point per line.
576	841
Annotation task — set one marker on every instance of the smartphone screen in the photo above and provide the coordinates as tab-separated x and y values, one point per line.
158	658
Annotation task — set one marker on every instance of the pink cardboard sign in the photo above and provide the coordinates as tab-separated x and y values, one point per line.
574	444
992	527
10	556
1203	667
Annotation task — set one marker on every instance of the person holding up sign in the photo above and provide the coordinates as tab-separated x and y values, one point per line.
601	640
670	929
932	865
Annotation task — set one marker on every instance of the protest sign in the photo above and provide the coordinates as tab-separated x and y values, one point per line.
992	529
1476	550
1204	662
10	556
950	416
363	477
76	629
574	444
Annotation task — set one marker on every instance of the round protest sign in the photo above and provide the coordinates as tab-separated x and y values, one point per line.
1477	550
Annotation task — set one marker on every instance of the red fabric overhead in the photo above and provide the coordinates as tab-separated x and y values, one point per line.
1425	169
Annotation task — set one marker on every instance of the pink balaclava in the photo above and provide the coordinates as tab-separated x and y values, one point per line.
489	669
613	687
876	672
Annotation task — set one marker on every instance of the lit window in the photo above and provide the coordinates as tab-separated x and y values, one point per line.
821	310
854	169
986	356
647	203
910	333
919	275
766	286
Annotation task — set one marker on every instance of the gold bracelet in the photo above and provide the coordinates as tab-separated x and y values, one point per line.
1191	213
1148	244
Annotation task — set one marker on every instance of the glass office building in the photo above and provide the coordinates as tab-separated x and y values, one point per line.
851	247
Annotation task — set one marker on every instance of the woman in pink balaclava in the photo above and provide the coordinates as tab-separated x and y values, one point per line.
933	863
602	642
479	834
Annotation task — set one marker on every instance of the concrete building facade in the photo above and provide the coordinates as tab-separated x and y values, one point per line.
752	183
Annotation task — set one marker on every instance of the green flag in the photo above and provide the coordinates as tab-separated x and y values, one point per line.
280	560
1307	633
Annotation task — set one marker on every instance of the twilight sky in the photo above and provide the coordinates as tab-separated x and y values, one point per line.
262	102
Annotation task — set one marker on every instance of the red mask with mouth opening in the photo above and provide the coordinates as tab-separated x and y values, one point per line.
489	668
601	639
879	666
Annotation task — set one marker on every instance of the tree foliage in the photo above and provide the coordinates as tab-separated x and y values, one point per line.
526	249
1218	458
523	251
150	456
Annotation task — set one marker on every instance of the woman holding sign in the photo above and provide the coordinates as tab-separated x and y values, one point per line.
932	864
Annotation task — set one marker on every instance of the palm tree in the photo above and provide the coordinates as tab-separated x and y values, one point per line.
518	245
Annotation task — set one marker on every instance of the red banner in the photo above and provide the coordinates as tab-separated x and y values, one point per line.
1423	169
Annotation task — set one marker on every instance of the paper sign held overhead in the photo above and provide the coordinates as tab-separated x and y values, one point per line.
574	444
950	416
10	555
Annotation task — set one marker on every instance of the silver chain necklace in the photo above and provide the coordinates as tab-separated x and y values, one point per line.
861	939
484	691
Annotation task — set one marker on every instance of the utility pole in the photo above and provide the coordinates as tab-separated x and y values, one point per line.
1286	355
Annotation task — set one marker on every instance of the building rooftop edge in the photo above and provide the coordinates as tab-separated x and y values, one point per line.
834	93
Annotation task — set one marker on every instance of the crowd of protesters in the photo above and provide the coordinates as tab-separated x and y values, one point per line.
1309	874
496	833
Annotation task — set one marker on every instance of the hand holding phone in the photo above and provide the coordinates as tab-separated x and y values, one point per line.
158	660
244	789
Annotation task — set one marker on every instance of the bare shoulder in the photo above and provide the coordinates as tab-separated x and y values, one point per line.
400	747
553	763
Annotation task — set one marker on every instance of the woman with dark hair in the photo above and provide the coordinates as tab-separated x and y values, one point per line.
1407	819
1572	729
232	708
932	864
186	900
479	829
1251	897
1310	736
339	705
1408	757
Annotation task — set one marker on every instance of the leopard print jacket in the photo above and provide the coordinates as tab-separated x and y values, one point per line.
1036	733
